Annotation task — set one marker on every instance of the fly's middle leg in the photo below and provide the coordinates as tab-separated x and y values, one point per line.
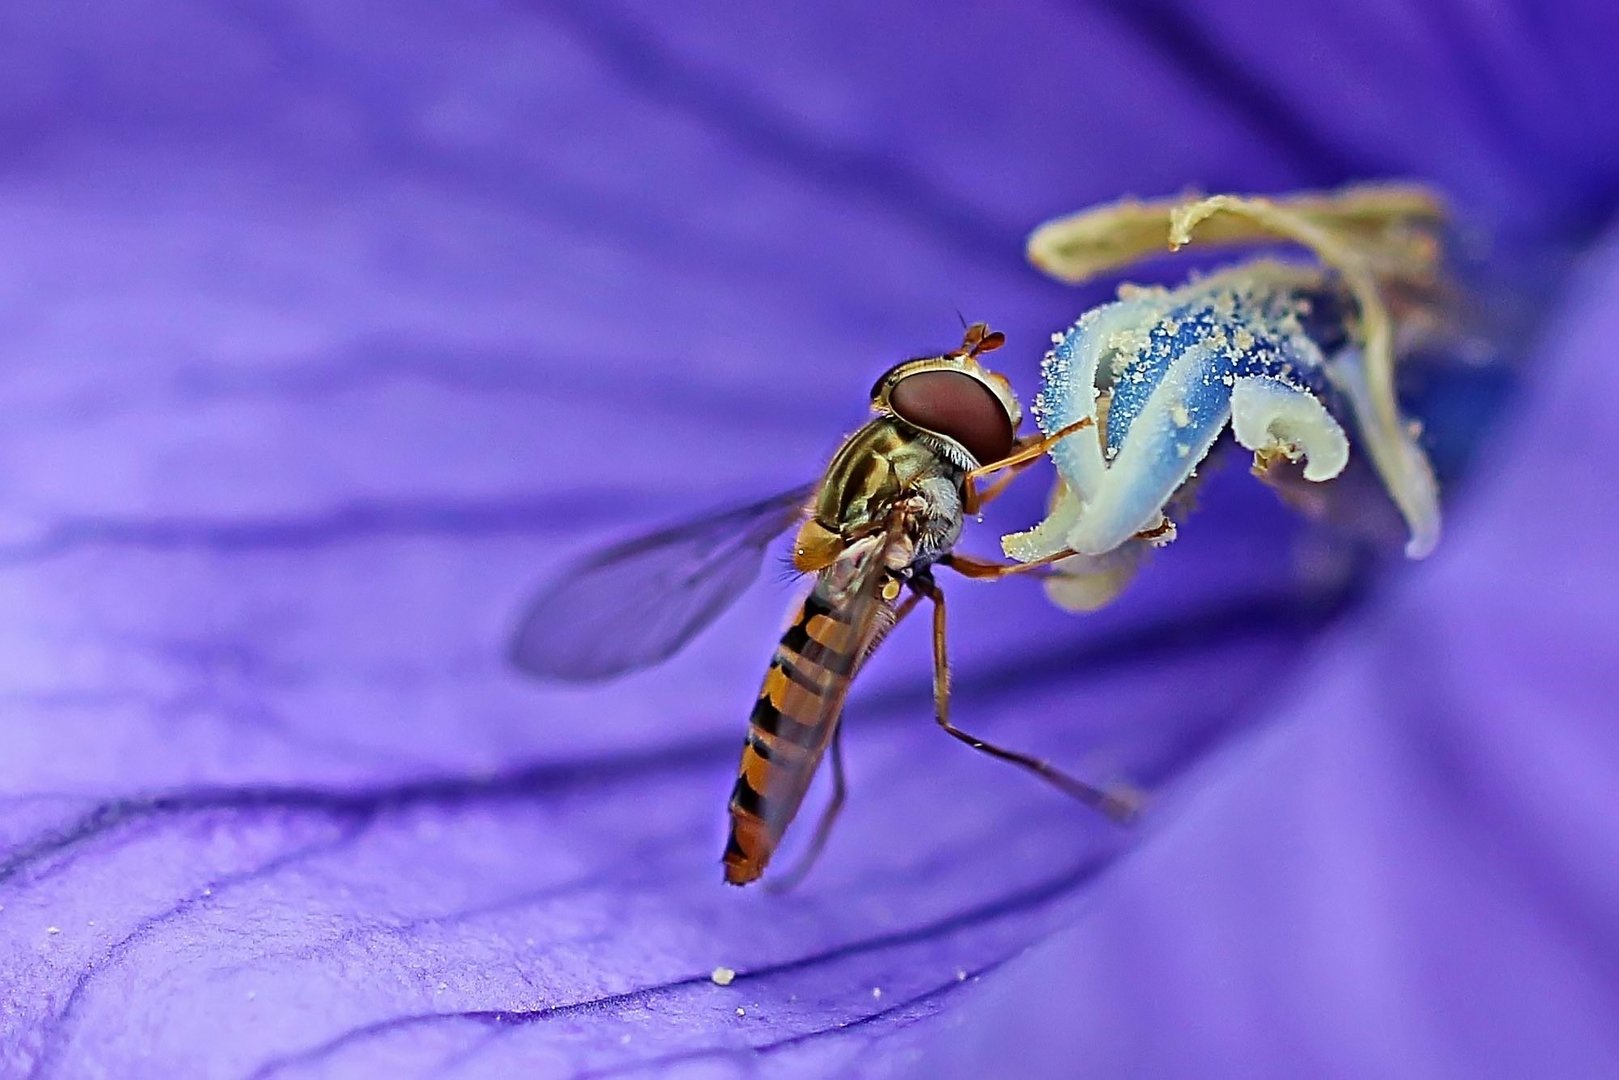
1120	805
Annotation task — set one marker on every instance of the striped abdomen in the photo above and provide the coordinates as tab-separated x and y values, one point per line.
789	729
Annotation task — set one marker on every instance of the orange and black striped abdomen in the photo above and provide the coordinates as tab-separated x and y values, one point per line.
788	732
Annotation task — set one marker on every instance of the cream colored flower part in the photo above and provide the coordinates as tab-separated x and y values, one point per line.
1163	372
1171	370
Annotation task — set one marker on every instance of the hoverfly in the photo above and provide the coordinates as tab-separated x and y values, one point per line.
888	511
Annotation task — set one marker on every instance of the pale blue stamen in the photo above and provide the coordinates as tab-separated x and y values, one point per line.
1171	367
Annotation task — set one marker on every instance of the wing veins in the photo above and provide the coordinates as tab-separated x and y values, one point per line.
640	601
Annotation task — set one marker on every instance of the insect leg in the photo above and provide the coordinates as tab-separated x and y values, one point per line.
969	566
977	497
1024	455
1031	449
823	828
840	789
1118	805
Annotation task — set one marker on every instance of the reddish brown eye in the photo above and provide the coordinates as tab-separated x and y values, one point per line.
957	406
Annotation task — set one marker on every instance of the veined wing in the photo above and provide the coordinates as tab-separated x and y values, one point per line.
637	603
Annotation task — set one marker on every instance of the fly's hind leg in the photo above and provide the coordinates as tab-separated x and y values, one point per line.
823	828
840	792
1120	805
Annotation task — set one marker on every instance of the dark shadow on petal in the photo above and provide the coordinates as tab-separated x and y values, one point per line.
897	1015
519	185
640	62
1017	903
54	1033
1144	646
350	523
1294	138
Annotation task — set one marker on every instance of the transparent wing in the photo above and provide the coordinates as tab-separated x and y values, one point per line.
861	608
641	601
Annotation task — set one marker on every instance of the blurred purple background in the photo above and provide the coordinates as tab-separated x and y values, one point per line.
331	327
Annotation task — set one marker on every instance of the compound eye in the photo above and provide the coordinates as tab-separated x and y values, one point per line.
956	406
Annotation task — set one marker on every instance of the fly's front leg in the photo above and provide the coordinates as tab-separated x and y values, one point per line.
1119	805
1020	458
1028	451
969	566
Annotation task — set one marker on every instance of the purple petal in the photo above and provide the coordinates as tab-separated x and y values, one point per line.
1409	874
331	327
